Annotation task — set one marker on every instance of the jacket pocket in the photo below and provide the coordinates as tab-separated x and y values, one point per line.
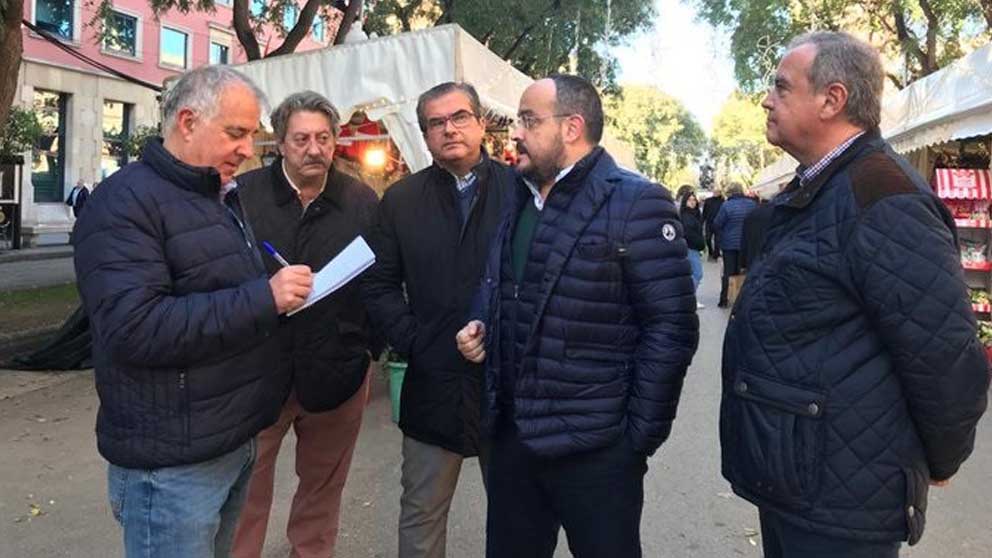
596	251
915	507
604	353
779	439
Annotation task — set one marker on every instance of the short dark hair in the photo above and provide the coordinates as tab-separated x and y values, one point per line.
442	90
575	95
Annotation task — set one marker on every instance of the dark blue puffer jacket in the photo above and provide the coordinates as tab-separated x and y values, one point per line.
729	222
181	313
610	290
852	374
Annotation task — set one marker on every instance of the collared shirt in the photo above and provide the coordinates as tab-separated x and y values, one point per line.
296	188
225	189
538	199
809	173
463	182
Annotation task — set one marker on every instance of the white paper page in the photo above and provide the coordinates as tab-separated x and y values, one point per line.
354	259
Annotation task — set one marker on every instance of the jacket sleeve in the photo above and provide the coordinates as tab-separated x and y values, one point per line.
125	281
382	284
721	218
907	269
658	279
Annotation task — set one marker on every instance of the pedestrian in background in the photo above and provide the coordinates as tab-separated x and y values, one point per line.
77	198
853	378
692	224
309	211
729	227
711	207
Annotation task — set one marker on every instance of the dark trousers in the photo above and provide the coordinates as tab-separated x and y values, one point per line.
731	266
596	496
784	540
711	243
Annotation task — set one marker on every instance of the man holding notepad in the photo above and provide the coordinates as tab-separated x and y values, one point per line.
304	211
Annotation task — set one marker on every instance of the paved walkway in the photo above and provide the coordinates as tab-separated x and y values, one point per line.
31	274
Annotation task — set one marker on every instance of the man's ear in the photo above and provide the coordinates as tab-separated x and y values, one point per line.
575	128
834	101
186	121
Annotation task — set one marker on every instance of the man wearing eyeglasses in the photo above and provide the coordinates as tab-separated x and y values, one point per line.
590	324
309	211
431	235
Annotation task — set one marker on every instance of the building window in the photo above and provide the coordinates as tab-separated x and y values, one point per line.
116	128
318	28
175	48
55	16
223	2
219	53
122	34
289	16
257	7
48	161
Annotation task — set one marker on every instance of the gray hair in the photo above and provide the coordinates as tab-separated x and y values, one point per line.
443	89
304	101
733	189
200	90
842	58
575	95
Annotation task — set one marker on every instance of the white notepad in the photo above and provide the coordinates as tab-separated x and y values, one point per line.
354	259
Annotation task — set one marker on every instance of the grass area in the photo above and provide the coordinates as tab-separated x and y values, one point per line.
33	308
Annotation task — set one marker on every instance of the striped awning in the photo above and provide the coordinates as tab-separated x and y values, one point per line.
963	184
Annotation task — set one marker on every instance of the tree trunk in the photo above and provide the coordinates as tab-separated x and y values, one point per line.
299	31
987	12
11	49
347	20
242	27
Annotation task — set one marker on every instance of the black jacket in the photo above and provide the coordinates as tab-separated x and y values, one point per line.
692	223
182	316
325	347
852	374
711	207
80	201
421	244
599	333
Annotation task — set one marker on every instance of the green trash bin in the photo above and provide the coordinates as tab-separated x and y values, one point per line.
396	372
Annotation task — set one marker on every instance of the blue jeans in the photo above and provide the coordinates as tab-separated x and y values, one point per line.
188	511
696	261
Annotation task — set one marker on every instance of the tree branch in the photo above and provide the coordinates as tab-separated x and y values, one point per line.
933	27
244	31
299	31
553	7
910	43
347	20
987	12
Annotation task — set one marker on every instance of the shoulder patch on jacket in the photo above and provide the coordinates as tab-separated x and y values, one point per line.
876	177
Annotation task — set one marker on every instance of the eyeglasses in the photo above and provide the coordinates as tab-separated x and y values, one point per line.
529	121
460	119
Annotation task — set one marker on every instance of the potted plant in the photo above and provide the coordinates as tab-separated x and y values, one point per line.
19	133
396	369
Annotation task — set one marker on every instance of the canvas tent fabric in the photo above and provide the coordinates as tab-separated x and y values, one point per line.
950	104
384	77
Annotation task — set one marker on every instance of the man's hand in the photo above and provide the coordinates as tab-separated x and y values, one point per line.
470	341
290	287
940	483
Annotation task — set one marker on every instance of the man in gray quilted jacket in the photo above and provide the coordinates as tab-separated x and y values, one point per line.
853	379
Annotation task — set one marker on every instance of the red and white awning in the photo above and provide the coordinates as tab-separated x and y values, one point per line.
963	184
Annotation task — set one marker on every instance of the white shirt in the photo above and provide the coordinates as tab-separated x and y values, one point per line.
299	193
538	199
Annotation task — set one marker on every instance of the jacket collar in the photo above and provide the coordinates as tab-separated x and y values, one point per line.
202	180
481	170
800	197
284	193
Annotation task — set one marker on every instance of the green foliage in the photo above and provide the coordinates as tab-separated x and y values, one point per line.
538	37
738	145
916	37
20	132
667	140
135	141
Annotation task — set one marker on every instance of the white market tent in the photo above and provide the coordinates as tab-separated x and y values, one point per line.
950	104
384	77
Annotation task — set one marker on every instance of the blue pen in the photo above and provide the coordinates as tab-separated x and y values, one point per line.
272	251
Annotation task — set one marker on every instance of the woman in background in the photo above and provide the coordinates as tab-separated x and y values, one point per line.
692	223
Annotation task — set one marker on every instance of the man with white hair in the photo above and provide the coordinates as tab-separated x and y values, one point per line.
183	313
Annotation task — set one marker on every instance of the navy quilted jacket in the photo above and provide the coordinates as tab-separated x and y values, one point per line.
729	222
181	313
615	327
852	374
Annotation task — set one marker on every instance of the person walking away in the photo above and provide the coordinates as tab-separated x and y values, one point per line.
711	207
729	227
